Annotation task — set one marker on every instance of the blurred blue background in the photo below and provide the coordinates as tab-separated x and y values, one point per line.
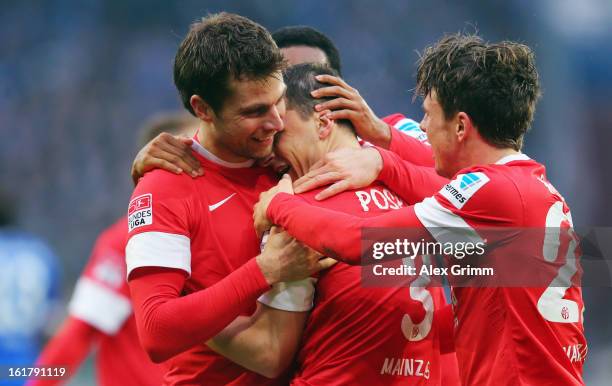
77	78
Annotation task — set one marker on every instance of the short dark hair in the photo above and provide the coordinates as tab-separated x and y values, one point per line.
496	84
218	48
301	35
300	81
165	122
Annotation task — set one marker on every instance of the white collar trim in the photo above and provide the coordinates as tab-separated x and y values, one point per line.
195	145
512	157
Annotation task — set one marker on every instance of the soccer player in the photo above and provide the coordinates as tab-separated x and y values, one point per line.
479	101
100	314
193	258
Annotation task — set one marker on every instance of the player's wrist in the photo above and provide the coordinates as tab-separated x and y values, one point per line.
267	268
381	135
385	170
377	160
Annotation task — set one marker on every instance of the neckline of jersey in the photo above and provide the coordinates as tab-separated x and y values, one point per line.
512	157
198	148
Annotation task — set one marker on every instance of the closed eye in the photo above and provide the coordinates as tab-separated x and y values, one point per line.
256	111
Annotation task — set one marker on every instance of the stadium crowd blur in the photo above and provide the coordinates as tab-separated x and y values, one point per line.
78	78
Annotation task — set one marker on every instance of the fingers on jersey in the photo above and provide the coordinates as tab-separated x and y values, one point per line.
325	263
176	151
333	190
317	178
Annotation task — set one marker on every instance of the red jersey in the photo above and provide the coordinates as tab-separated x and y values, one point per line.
508	336
512	335
102	300
203	227
357	335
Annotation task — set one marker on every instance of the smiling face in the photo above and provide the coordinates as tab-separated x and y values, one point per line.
441	134
245	126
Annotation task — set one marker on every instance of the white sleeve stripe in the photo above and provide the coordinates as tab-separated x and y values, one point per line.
444	225
99	306
158	249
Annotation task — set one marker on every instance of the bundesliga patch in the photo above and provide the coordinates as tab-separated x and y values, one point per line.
140	212
411	128
459	190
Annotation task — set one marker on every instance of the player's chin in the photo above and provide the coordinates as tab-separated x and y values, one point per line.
261	150
442	170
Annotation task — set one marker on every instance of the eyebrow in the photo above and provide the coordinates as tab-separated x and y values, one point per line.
261	106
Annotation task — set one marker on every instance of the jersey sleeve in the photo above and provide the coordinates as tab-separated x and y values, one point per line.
408	140
469	202
101	297
411	182
169	323
159	222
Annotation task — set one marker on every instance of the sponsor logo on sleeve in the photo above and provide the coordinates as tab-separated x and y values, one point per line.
140	212
463	187
411	128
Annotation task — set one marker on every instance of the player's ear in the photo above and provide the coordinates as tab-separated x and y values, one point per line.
324	124
201	108
464	126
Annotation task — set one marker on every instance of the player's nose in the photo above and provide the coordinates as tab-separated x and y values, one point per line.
274	120
423	125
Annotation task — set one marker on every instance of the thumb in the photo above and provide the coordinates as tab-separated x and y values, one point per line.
285	185
274	230
325	263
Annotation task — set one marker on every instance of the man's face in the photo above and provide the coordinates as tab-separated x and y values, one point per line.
441	136
303	54
298	143
251	116
295	55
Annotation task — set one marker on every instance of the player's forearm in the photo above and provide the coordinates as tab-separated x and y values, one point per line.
410	149
379	135
264	343
331	233
169	324
318	228
69	347
411	182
